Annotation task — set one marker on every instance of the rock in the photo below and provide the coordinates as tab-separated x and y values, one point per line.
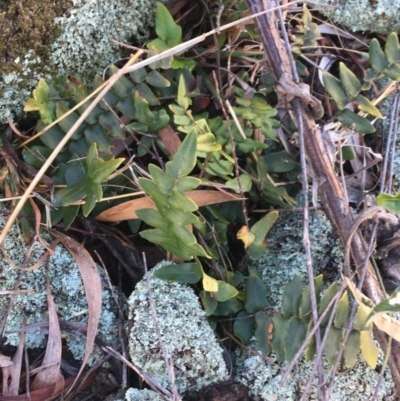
59	37
381	16
283	261
67	290
187	337
133	394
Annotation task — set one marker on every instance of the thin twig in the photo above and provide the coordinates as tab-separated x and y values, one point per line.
167	359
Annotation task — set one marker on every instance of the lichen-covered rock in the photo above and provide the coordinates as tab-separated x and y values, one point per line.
188	339
67	291
284	260
263	379
381	16
133	394
53	37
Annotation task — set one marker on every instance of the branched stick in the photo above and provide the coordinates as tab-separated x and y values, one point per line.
330	189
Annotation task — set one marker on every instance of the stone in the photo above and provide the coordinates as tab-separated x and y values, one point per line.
186	335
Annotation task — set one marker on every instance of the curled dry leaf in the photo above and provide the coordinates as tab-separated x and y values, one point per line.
93	291
127	210
52	358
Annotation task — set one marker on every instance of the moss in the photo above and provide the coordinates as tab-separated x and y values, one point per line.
59	37
381	16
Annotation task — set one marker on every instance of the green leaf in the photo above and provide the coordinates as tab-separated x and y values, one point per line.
100	170
72	193
67	122
335	89
332	345
243	328
305	306
166	28
94	194
96	134
366	106
311	348
153	218
172	244
123	87
292	297
146	93
329	293
245	182
342	314
226	308
361	319
377	58
69	214
280	327
392	49
349	81
138	75
42	91
36	155
165	183
184	159
157	80
352	120
187	184
263	331
112	125
209	303
260	231
207	143
52	137
389	305
31	105
255	293
348	153
182	273
389	202
352	348
393	72
225	291
143	113
369	350
183	99
295	335
279	162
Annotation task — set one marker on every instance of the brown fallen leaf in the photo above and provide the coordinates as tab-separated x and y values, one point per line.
127	210
93	291
170	140
52	358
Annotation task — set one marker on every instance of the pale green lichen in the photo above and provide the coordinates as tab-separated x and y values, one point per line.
187	337
67	291
284	260
63	42
133	394
381	16
263	379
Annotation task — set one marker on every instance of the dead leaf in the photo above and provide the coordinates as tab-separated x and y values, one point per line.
93	291
12	373
127	210
170	139
52	358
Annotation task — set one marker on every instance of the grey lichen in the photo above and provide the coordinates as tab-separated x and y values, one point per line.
81	43
285	256
284	260
133	394
187	337
263	379
381	16
67	291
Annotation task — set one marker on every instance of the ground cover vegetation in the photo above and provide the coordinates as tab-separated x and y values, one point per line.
210	144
